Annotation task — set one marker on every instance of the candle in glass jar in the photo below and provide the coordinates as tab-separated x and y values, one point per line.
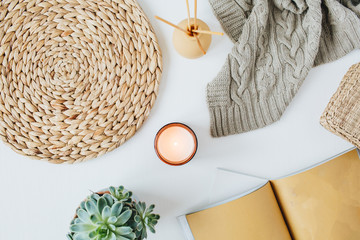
175	144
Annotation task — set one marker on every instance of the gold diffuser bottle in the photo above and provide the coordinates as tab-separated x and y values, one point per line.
192	36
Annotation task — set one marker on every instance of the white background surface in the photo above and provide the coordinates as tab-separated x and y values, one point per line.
39	199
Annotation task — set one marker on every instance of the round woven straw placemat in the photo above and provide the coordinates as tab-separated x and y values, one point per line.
78	77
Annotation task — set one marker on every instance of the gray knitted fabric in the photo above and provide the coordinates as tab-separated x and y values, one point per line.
277	42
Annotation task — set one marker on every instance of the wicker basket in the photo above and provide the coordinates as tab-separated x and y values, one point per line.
342	114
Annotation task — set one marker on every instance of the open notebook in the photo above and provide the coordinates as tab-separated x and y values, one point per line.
322	203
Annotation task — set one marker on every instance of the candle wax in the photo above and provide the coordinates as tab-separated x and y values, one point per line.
176	144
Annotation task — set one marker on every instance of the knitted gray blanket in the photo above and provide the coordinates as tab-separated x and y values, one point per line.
276	43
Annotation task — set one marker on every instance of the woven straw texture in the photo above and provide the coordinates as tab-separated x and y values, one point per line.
78	77
342	114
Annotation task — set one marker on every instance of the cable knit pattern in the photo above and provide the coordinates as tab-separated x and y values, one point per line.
277	42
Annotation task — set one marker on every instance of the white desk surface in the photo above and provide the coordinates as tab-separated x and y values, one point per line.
39	199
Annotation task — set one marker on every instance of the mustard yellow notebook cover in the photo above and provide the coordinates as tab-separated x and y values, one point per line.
322	203
238	218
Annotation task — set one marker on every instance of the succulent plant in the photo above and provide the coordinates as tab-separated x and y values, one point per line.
144	220
120	194
112	216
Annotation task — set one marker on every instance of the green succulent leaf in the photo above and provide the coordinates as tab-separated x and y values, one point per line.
112	220
93	235
112	191
106	213
76	221
124	230
82	227
130	236
139	227
94	199
137	218
112	227
91	207
109	199
123	238
112	236
151	229
82	205
123	218
81	237
150	208
116	209
94	196
101	204
94	218
83	215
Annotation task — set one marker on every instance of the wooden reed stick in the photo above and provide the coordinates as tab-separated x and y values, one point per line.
208	32
195	14
198	41
171	24
188	13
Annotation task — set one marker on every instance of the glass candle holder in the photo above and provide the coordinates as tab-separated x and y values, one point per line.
175	144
